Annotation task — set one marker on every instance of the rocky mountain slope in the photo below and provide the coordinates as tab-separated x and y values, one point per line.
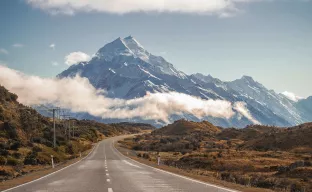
126	70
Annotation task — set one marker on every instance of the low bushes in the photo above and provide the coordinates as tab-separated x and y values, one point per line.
262	181
3	160
31	158
12	161
15	145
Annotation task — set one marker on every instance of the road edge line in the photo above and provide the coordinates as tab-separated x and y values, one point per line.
29	182
174	174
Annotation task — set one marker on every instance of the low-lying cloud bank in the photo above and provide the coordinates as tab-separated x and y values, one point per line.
220	7
79	95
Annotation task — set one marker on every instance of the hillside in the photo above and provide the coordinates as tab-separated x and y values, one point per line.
257	156
283	139
185	127
26	137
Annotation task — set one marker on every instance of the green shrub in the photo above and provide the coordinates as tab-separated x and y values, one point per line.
12	161
36	149
17	155
4	146
31	158
3	160
4	152
297	187
1	114
15	145
146	156
70	148
10	128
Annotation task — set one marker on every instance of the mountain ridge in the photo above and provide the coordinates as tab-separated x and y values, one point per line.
126	70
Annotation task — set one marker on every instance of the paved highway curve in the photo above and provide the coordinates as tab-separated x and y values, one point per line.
105	169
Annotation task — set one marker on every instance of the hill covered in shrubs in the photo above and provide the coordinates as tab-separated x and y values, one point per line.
26	137
258	156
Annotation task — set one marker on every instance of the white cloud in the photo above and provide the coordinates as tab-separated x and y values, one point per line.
79	95
54	63
241	108
223	8
18	45
3	51
76	57
52	46
291	96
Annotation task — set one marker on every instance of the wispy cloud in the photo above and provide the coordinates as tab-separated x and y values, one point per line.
76	57
223	8
18	45
291	96
241	108
54	63
52	46
3	51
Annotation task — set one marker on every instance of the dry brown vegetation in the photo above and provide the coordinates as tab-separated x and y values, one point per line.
26	137
257	156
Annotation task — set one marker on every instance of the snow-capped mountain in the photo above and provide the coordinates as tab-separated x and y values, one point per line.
126	70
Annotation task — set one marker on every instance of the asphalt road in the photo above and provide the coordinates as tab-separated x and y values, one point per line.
105	169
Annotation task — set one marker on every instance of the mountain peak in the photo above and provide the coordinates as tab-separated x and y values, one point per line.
133	44
114	48
248	78
129	37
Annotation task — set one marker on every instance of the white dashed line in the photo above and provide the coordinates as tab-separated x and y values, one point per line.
106	170
110	190
107	174
108	180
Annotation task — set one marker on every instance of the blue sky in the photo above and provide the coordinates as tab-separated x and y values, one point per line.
270	40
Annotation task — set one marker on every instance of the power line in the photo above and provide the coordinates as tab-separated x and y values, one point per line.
43	107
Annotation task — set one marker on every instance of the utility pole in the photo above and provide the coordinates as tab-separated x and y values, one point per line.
42	107
66	124
69	128
73	129
54	135
54	110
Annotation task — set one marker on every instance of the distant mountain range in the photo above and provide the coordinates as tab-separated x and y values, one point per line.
126	70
